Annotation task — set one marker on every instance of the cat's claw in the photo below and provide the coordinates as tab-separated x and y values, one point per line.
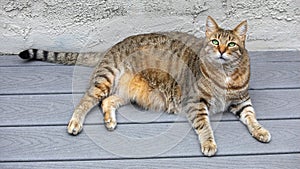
209	148
74	127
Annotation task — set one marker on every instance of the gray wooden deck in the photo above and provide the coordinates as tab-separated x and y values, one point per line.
37	99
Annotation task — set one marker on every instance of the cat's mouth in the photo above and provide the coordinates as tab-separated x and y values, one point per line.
222	58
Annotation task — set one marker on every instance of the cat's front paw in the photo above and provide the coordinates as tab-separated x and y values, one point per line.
74	127
209	148
262	135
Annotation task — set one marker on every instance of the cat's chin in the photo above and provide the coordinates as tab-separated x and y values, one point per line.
218	61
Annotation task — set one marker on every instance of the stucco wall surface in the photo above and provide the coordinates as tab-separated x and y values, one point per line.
89	25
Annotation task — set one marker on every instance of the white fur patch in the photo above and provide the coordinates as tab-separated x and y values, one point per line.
227	80
113	114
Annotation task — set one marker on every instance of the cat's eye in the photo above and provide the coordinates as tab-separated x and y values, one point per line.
231	44
215	42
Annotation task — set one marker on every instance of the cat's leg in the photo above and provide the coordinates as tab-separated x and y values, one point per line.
109	107
198	116
90	99
246	114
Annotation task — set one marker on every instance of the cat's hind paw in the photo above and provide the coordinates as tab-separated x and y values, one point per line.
74	127
110	124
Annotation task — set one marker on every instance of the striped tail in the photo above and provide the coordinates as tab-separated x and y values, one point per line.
67	58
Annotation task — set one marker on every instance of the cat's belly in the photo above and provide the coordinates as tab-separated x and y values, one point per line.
144	92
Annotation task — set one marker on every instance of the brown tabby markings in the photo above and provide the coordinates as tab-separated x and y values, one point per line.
170	72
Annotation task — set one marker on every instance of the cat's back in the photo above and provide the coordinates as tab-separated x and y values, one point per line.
160	41
172	52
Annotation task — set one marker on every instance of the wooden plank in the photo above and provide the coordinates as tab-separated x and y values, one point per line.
272	104
43	79
35	109
256	56
136	140
15	60
281	161
57	109
275	56
275	75
54	79
233	139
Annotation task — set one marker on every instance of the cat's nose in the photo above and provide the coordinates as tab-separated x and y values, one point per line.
222	49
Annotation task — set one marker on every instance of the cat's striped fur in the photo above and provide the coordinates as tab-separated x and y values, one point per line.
172	72
68	58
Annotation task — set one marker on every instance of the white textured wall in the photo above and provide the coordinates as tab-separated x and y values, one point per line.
90	25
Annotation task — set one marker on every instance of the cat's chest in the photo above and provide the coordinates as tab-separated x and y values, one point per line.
221	97
218	105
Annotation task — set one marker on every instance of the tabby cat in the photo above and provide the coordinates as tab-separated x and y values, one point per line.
172	72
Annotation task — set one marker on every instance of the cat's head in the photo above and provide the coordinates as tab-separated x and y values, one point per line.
223	45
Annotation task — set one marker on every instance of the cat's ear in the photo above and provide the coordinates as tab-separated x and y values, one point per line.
211	26
241	30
